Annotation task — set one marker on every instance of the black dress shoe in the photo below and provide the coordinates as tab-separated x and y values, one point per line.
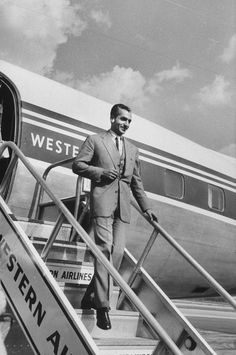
103	320
87	303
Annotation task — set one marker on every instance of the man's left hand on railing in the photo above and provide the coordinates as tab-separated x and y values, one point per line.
151	215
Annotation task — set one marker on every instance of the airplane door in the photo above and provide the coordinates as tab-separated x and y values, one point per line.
8	122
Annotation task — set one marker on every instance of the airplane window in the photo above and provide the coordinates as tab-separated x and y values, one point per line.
174	184
216	198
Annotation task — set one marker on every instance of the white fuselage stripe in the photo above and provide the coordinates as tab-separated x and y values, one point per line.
59	123
53	128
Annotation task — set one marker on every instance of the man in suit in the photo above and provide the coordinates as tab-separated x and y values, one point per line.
112	164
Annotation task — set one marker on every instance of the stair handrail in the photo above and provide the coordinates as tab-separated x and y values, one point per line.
142	309
38	187
7	175
159	229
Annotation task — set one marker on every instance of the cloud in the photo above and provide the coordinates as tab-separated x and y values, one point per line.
217	93
119	85
65	77
229	52
32	30
125	84
229	150
176	74
101	18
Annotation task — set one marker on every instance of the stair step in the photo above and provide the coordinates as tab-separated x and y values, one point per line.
126	346
124	323
35	228
64	251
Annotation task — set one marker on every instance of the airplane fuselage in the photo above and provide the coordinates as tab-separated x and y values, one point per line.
191	188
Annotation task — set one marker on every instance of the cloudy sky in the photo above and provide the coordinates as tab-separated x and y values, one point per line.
172	61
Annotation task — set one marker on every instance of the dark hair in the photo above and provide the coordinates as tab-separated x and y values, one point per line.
115	110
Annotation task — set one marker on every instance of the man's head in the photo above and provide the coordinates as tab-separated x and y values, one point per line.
121	118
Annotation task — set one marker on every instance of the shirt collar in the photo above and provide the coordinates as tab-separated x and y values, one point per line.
114	135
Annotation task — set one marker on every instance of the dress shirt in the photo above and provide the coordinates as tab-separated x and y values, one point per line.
120	140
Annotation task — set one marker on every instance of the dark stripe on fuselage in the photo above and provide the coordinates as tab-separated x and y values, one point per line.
68	129
95	129
60	117
195	190
174	165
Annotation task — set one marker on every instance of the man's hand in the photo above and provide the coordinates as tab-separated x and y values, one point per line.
151	215
110	174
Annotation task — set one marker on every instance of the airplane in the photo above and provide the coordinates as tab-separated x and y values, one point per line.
191	188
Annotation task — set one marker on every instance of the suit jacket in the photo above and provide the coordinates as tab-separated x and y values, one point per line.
99	152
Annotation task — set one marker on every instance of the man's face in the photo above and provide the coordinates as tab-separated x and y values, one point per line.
121	123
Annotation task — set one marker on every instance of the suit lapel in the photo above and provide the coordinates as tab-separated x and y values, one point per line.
111	148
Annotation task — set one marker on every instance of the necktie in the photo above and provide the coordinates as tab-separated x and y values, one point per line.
118	143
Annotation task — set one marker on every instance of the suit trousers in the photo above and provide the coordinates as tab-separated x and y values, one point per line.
109	234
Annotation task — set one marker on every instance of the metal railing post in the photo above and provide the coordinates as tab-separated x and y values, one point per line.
139	264
77	196
39	188
77	202
143	256
51	239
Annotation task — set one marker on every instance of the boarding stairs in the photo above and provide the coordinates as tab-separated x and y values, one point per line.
50	265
